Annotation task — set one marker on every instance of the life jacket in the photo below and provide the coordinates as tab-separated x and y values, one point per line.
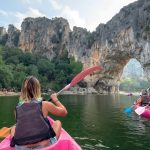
31	126
145	99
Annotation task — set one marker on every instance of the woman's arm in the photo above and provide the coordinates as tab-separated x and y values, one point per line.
56	108
139	100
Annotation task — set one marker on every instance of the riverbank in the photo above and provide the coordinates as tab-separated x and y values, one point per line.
9	93
68	93
130	94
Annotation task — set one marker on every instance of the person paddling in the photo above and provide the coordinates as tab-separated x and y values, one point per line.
32	129
144	98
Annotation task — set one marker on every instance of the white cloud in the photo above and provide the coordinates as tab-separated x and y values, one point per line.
91	25
55	5
34	13
103	11
68	13
30	13
73	16
3	13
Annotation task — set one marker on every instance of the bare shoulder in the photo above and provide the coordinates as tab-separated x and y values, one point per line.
56	109
46	107
47	104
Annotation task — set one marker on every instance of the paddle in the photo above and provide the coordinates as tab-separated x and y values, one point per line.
140	110
5	131
128	109
79	77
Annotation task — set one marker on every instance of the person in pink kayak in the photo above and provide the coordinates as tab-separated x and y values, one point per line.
32	129
144	98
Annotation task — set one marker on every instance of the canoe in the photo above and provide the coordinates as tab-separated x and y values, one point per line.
65	142
146	113
129	94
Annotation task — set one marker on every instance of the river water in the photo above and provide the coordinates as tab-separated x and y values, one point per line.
96	122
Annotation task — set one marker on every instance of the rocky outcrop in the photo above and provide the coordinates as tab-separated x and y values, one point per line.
112	45
12	36
3	36
45	36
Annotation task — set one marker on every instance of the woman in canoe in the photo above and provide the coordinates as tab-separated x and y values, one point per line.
144	98
32	129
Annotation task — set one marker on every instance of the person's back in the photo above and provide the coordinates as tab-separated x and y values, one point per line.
32	127
145	99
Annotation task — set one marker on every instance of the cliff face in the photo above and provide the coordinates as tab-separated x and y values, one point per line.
45	36
112	45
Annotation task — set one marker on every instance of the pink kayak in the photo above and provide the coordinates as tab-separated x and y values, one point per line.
65	142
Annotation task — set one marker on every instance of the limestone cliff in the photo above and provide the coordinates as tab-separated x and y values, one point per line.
111	45
3	36
45	36
13	36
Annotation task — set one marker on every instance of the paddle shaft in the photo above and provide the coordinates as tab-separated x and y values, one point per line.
65	88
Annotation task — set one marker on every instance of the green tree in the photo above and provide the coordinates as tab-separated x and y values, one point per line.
18	79
6	76
1	60
32	70
46	68
75	65
28	59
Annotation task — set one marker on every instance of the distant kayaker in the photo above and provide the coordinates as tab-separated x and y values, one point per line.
144	98
32	129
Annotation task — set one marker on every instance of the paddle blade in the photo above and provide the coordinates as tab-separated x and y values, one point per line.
140	110
79	77
128	110
83	74
4	132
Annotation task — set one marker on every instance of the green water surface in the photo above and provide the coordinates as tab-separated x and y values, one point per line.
96	122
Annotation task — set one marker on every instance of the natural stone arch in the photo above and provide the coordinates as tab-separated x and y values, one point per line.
125	36
114	55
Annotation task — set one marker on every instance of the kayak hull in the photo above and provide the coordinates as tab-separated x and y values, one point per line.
65	142
146	114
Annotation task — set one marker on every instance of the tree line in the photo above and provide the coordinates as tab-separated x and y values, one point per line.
15	65
133	84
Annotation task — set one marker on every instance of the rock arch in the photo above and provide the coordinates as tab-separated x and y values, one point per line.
125	36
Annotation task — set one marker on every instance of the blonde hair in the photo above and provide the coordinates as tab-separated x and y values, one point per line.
31	89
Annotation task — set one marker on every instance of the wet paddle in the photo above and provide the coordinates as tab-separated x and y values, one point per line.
5	131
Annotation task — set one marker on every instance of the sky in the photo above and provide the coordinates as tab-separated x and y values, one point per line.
81	13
